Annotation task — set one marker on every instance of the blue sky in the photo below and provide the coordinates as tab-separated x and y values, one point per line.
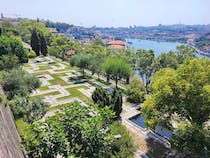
112	12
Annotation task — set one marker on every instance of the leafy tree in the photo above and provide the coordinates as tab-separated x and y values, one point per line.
165	60
181	97
26	27
101	97
114	100
117	69
8	62
8	29
43	45
35	44
16	82
81	60
122	147
145	61
97	53
71	132
183	52
136	91
30	110
11	45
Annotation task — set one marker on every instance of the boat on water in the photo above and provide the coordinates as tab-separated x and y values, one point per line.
130	42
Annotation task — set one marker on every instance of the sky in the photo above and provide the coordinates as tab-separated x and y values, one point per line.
111	13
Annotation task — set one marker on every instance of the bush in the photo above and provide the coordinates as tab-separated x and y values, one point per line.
123	146
31	54
136	91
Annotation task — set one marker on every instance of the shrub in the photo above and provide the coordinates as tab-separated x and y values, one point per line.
31	54
136	91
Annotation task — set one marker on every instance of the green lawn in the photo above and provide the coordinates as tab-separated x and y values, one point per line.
61	74
43	88
57	80
23	127
45	67
52	93
74	92
41	73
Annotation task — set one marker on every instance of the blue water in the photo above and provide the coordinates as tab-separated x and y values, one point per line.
158	47
139	120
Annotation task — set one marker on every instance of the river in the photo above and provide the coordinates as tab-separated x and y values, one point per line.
158	46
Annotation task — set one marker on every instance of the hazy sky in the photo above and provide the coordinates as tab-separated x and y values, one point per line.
112	12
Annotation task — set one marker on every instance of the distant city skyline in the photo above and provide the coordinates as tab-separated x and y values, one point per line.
111	13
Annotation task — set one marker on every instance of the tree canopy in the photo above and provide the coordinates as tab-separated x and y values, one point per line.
180	101
117	68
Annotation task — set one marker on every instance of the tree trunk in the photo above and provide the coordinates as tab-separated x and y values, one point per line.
116	81
107	78
128	80
83	73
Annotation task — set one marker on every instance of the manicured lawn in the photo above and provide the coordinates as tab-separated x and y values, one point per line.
61	74
23	127
43	88
44	67
57	80
74	92
52	93
41	73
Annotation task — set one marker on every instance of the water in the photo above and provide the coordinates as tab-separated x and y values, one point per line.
139	120
158	47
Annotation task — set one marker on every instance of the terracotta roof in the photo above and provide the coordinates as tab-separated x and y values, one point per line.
70	52
116	46
117	42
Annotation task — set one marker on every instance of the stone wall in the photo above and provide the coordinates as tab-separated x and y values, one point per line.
9	137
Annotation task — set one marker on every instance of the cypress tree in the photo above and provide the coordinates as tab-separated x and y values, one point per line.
0	31
43	45
35	44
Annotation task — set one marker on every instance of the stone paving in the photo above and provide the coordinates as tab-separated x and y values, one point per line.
53	100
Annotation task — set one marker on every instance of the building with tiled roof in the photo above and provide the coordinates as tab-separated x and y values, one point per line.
116	44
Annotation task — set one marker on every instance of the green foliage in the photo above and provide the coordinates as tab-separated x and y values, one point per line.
144	62
11	45
165	60
16	82
124	146
117	69
31	54
184	52
8	29
136	91
35	44
8	62
100	97
114	100
30	110
98	54
73	131
81	60
180	96
192	138
26	27
43	44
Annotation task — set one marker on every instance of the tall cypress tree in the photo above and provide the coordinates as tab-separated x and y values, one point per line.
43	45
1	31
35	44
